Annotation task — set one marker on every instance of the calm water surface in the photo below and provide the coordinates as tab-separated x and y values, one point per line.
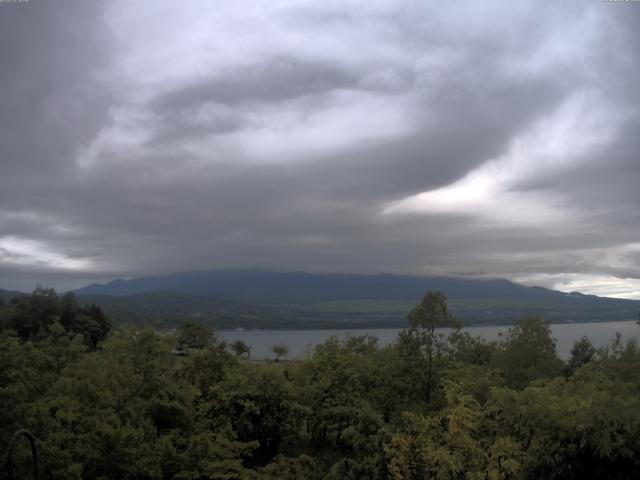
301	342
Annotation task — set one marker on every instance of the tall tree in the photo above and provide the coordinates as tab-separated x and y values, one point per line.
582	353
528	353
422	336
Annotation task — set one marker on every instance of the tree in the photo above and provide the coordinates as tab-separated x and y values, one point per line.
194	336
109	413
471	350
288	468
528	353
430	314
258	401
91	322
582	353
455	443
32	316
240	348
620	360
280	351
582	427
6	313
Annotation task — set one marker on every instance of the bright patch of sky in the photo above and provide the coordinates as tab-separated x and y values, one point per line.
34	253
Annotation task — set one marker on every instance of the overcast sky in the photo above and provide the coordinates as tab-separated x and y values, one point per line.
466	138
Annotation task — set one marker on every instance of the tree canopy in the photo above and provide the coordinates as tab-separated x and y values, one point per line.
122	406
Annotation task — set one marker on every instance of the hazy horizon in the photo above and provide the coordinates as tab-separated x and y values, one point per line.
475	140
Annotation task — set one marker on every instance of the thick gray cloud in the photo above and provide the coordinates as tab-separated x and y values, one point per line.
470	139
277	80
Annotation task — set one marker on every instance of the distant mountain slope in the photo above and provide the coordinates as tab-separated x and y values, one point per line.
9	294
169	309
299	288
306	300
172	308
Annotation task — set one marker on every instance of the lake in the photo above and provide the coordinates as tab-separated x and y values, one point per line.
300	342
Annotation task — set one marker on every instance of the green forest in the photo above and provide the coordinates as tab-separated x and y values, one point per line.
139	403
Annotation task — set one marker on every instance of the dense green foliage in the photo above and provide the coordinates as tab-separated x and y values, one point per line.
432	405
35	317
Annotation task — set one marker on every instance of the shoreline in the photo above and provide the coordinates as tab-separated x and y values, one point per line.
346	328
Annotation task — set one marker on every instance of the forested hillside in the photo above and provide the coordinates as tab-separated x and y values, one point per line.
137	404
306	300
7	295
266	287
168	309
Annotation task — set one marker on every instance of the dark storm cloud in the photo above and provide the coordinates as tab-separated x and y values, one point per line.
139	139
50	105
48	101
270	81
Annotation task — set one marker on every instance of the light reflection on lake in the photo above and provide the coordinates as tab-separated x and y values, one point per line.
300	342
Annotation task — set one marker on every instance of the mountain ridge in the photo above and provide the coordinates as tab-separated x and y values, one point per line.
303	300
259	286
258	299
7	295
